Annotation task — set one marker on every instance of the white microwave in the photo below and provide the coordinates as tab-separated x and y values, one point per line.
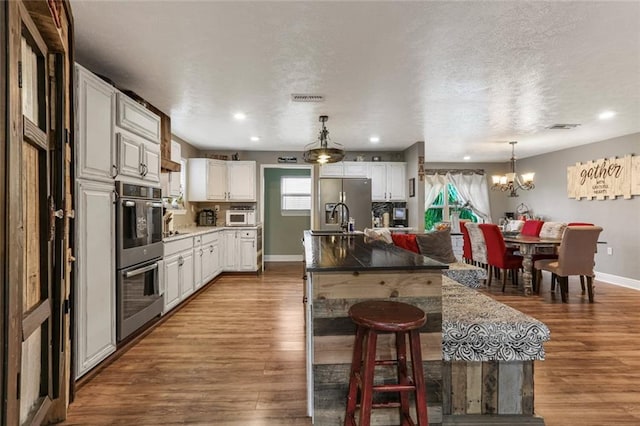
241	217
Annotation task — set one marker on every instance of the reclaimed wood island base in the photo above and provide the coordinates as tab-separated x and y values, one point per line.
342	270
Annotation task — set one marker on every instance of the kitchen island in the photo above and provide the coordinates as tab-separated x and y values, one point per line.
478	354
345	269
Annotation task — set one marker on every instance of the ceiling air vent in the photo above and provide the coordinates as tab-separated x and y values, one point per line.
563	126
302	97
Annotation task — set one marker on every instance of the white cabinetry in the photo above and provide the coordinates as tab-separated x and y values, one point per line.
95	109
95	274
138	158
211	262
178	273
388	181
332	170
345	169
356	169
242	249
137	119
216	180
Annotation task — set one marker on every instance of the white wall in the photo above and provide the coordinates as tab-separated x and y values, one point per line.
415	205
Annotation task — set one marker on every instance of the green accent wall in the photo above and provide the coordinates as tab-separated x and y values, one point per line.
282	234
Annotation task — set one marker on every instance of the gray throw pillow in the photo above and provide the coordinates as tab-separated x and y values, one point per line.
437	246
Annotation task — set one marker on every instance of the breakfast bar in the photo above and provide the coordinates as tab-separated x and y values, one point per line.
477	353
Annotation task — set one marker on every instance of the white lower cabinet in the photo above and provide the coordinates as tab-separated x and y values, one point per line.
211	263
95	274
241	250
178	272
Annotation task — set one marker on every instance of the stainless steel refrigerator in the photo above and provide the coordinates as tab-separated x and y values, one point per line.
354	192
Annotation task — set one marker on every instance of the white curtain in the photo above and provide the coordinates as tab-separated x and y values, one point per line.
433	184
473	189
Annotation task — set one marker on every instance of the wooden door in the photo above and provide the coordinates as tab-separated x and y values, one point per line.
31	225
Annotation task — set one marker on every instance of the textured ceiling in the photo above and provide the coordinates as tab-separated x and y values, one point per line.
465	77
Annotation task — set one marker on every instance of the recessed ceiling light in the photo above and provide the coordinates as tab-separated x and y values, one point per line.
374	139
605	115
466	157
254	139
239	115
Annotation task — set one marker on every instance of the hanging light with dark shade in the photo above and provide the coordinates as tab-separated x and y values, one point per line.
325	151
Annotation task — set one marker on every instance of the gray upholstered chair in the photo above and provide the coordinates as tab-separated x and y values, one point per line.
575	257
478	245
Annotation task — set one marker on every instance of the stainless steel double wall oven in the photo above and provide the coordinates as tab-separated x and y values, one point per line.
139	252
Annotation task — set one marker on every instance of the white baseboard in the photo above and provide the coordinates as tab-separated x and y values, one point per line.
618	280
283	258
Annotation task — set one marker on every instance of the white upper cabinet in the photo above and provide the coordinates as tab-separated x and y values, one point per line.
138	158
137	119
332	170
95	109
356	169
241	181
388	181
216	180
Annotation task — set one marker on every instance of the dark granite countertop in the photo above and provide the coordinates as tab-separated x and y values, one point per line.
352	253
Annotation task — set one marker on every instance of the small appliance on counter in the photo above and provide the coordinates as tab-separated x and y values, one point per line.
400	216
241	216
207	217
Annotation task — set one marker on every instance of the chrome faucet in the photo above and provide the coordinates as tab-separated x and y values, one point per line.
345	223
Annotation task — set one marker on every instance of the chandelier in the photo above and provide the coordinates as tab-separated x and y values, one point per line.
323	153
511	181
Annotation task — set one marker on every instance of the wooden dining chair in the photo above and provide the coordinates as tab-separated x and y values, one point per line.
575	257
497	254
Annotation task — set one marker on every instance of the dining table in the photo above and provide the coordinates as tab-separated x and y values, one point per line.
527	248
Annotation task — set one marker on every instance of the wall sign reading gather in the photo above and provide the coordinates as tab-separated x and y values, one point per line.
606	177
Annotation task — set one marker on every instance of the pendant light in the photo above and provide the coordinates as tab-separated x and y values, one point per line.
511	181
323	153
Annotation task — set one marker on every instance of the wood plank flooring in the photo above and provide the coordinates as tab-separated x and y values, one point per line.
235	356
591	374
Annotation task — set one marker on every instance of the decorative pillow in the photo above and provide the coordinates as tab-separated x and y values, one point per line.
378	234
437	246
406	241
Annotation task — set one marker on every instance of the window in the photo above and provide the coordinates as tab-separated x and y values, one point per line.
295	195
443	206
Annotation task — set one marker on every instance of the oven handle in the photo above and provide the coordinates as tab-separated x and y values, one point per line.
141	270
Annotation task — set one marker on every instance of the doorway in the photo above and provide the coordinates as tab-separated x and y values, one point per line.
286	208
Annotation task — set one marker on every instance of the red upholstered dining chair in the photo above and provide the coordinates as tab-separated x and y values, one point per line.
531	228
575	257
497	254
466	243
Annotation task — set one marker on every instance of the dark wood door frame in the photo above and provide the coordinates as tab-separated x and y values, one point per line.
4	137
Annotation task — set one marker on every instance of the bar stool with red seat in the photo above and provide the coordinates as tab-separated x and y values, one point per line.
380	316
497	254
